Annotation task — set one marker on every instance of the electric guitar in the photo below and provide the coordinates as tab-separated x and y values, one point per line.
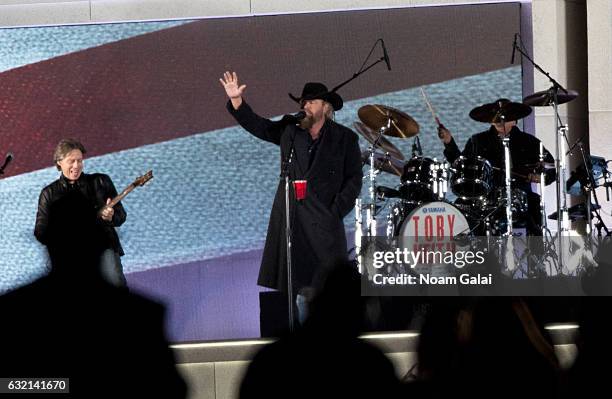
139	182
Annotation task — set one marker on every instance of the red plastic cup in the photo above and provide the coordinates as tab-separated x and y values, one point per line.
300	189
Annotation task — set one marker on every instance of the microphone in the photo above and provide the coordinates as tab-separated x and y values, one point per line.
385	54
513	48
294	118
7	160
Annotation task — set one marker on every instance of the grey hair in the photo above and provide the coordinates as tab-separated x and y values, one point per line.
328	110
64	147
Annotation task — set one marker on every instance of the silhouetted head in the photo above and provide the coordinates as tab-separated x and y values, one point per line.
337	305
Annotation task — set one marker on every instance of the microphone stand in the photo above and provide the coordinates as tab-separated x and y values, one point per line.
288	233
559	132
560	165
361	70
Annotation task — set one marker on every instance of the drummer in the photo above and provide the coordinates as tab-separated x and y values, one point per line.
524	152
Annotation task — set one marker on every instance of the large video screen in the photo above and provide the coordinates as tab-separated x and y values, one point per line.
146	95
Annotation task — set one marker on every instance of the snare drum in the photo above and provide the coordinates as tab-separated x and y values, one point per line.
472	178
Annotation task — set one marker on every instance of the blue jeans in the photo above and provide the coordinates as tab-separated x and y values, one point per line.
111	268
302	307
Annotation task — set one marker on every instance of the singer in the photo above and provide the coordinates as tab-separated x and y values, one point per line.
326	155
97	189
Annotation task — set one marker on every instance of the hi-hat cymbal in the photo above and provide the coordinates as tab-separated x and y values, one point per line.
385	163
377	116
382	142
493	112
545	98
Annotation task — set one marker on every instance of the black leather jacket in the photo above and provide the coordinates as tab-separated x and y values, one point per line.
96	188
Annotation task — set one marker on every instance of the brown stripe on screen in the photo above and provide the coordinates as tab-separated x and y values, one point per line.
164	85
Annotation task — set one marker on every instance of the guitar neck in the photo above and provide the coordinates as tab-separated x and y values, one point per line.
121	196
142	180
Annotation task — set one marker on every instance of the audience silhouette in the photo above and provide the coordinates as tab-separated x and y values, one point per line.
325	358
72	324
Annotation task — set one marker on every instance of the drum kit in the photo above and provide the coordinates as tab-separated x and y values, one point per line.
481	208
424	181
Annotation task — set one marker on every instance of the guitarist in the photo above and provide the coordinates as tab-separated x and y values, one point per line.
97	189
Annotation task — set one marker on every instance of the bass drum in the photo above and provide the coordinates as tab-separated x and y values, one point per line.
399	212
434	227
434	221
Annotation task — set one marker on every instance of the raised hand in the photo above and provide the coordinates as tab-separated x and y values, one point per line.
444	134
232	88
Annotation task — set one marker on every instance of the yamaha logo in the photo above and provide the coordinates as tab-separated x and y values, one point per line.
434	210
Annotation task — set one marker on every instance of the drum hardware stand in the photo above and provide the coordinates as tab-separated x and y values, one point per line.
371	210
445	169
508	182
358	234
370	219
563	221
550	252
561	142
485	219
607	184
507	174
589	190
439	171
560	167
390	222
544	220
547	243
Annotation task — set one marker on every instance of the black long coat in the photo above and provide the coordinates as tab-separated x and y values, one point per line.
334	182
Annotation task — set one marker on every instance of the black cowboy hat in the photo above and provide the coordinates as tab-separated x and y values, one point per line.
318	91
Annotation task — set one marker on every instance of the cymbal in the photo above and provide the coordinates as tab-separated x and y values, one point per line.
377	116
385	163
492	113
545	98
382	143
